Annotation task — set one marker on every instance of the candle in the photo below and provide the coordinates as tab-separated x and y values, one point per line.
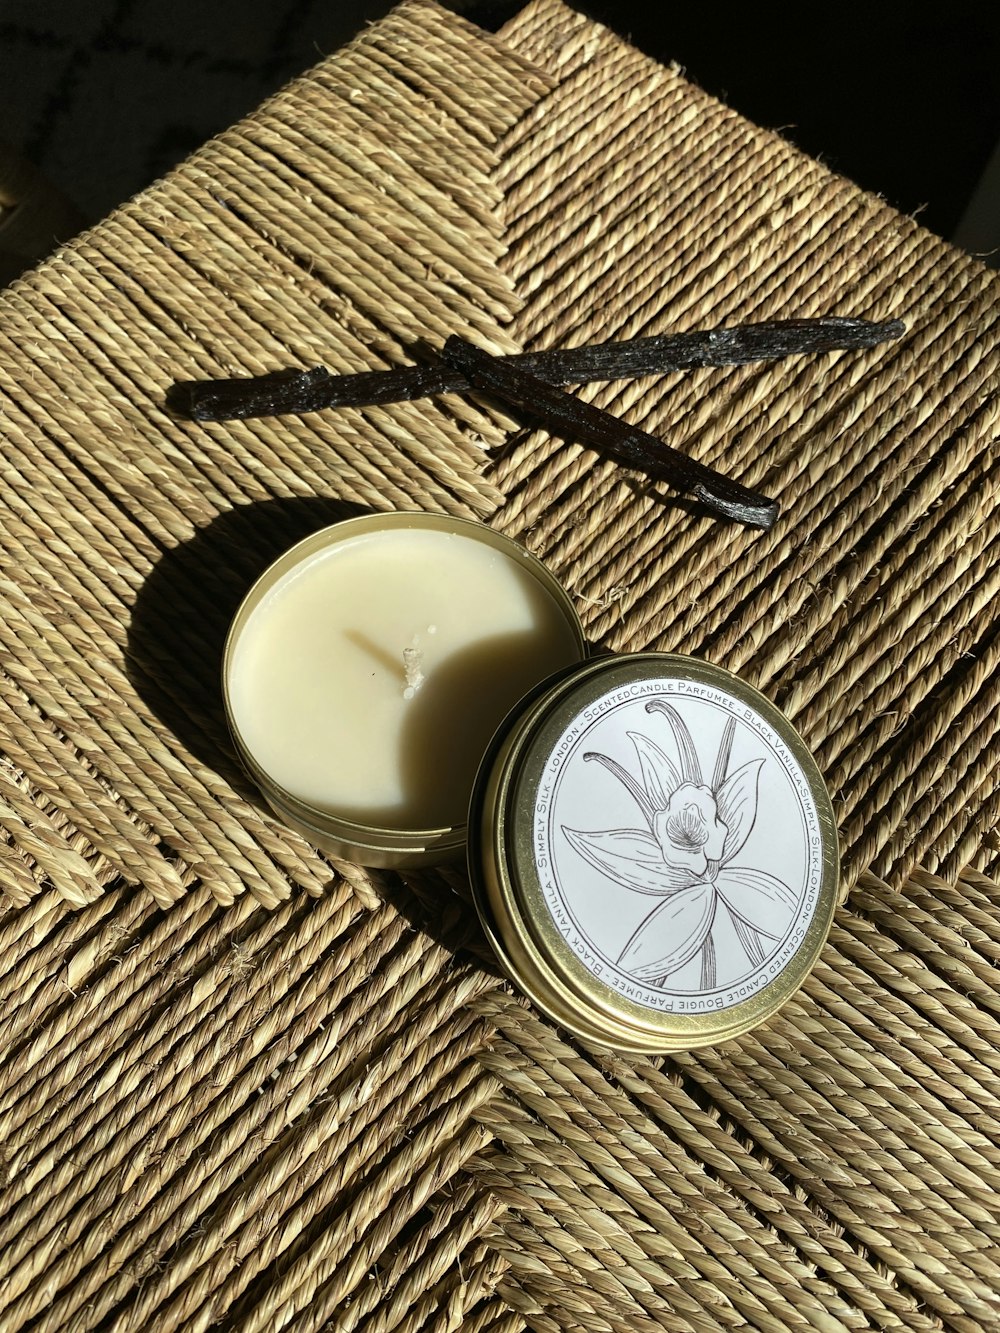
368	669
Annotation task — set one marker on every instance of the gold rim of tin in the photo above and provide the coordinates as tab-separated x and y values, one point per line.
508	890
371	845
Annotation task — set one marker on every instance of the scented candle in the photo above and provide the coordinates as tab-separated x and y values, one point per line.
368	669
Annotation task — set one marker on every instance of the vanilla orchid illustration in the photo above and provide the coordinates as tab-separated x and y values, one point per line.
685	856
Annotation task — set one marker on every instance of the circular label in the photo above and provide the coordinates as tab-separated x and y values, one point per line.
678	845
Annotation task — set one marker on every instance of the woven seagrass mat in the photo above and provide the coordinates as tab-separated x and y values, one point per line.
243	1087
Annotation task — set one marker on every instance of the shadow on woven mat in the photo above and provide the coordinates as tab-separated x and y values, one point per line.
183	611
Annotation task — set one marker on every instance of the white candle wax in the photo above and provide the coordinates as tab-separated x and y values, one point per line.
368	681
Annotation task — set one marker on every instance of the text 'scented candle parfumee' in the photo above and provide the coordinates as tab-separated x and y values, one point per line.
369	667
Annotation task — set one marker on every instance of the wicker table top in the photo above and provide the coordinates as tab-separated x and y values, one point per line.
244	1087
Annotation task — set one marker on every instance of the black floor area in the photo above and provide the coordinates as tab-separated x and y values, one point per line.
105	95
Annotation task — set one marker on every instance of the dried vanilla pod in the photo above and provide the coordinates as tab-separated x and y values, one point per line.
563	414
296	391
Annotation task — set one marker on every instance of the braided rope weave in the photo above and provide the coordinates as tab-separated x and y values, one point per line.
245	1087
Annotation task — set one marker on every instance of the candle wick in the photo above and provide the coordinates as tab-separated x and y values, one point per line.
413	658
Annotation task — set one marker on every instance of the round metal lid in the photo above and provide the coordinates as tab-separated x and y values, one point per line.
653	852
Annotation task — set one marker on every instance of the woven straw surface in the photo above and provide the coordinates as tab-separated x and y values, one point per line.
244	1087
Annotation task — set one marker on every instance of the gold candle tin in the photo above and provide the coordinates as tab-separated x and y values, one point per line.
369	842
653	853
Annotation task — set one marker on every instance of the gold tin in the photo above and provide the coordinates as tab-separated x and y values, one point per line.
343	837
653	853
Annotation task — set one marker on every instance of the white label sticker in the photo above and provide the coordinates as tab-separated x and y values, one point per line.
678	845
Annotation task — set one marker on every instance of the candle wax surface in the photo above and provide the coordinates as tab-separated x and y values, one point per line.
369	681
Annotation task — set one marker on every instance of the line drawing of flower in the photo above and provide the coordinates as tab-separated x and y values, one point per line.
685	856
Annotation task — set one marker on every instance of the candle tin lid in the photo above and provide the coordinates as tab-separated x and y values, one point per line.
653	853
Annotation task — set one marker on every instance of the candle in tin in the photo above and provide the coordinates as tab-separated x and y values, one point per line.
368	668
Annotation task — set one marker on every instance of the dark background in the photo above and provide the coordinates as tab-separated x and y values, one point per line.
106	95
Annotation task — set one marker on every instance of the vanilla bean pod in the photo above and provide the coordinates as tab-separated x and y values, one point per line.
295	391
568	416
